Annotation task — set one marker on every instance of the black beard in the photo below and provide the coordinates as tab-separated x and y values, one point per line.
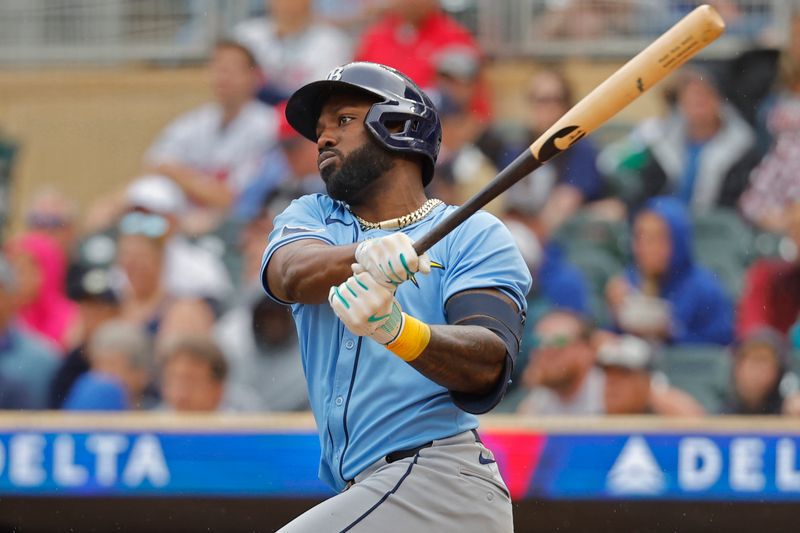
352	180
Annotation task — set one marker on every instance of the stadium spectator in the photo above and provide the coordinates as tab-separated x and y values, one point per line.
193	375
557	190
292	48
40	266
211	152
120	360
140	258
775	182
628	364
260	344
664	295
701	152
771	293
51	212
411	36
188	270
27	363
561	374
91	287
760	361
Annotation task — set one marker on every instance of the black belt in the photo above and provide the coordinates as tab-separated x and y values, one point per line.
405	454
411	452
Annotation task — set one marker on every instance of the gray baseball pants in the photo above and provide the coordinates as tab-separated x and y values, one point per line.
453	485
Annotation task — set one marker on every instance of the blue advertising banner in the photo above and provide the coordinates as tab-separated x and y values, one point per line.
164	464
668	466
536	464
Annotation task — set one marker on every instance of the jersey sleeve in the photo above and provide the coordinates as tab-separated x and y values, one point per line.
303	219
482	255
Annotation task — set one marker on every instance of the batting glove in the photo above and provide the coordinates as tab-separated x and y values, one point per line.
367	308
391	260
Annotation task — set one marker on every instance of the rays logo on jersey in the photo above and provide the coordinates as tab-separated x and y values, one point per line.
434	264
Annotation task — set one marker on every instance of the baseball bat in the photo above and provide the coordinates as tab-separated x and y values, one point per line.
672	49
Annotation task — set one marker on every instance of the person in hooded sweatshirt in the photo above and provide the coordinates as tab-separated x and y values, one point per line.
664	296
41	267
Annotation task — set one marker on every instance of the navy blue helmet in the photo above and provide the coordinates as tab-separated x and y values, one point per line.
399	100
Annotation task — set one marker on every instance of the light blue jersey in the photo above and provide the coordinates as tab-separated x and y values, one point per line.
367	402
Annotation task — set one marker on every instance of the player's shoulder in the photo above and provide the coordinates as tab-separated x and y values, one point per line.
479	221
317	203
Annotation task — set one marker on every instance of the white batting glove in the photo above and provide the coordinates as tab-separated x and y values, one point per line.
367	308
391	260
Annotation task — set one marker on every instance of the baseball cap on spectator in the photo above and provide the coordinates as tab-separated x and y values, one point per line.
88	282
628	352
156	194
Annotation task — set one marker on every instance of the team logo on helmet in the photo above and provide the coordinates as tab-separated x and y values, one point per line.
336	74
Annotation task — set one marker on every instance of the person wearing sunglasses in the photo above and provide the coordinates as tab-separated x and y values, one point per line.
561	374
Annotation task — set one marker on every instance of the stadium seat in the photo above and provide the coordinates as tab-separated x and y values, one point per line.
724	244
704	371
722	231
585	230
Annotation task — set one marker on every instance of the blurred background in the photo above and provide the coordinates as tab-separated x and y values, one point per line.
144	154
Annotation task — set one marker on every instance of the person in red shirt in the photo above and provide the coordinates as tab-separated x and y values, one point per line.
410	38
771	295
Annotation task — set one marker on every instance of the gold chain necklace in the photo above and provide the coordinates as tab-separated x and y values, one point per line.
400	222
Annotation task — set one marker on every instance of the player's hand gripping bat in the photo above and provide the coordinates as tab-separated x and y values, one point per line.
676	46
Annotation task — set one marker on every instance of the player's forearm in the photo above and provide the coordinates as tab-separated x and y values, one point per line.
462	358
303	272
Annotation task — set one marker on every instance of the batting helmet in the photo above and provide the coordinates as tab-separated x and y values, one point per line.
400	100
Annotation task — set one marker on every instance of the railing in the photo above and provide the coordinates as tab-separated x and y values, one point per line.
36	32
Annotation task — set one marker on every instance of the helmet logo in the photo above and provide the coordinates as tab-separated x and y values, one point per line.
336	74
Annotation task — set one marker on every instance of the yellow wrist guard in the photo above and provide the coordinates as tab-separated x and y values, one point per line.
412	339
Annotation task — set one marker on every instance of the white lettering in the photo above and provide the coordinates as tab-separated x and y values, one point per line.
146	462
787	477
106	449
26	453
65	471
747	464
699	463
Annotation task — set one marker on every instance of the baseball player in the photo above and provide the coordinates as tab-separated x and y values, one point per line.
400	351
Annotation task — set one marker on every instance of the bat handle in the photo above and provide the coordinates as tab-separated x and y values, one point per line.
523	165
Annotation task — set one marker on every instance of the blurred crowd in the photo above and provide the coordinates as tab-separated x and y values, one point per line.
665	259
